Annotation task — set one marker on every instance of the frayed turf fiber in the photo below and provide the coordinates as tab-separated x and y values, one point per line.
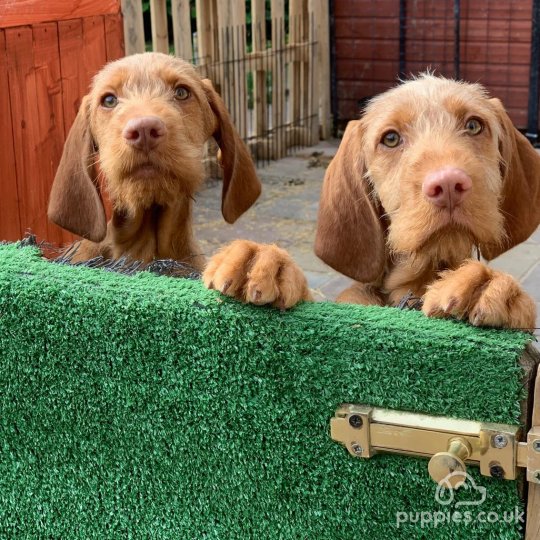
148	407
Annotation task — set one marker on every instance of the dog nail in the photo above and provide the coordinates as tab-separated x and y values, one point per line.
477	318
226	286
451	305
211	285
257	296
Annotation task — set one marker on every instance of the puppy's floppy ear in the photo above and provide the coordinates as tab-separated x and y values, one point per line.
241	186
74	202
520	203
350	235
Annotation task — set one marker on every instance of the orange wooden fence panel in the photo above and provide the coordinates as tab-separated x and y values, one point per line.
49	52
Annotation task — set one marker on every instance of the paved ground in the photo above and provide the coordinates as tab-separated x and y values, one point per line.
286	214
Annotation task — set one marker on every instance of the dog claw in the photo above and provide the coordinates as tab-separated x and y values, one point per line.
226	286
477	318
257	296
450	306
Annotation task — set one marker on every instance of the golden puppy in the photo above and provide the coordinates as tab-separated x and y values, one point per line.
145	122
432	174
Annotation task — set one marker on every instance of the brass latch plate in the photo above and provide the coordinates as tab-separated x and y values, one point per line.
451	444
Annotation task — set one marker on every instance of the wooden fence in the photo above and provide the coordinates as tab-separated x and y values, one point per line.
49	51
273	74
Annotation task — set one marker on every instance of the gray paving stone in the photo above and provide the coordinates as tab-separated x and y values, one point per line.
519	260
532	283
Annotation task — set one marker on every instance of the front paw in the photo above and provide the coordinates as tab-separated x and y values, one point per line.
258	274
483	296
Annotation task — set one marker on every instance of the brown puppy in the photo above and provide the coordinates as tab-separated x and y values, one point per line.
145	122
432	173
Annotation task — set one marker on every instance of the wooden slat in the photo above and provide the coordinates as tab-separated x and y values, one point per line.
181	16
296	79
206	47
133	26
74	84
24	106
114	37
322	22
313	68
50	119
258	33
158	19
95	50
232	46
10	227
25	12
277	11
532	531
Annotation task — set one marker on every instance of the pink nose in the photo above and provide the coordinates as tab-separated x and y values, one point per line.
144	132
447	188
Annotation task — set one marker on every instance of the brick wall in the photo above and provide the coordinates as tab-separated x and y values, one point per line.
495	47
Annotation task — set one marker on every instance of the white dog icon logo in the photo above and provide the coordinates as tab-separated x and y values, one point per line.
445	494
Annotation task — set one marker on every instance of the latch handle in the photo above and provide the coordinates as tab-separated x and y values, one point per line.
443	464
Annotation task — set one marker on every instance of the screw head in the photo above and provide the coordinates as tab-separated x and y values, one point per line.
357	449
355	421
499	440
536	445
496	471
537	475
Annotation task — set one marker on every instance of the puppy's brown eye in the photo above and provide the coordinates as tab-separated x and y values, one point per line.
391	139
473	126
109	101
181	92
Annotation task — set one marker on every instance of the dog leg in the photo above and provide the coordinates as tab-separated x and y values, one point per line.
483	296
257	274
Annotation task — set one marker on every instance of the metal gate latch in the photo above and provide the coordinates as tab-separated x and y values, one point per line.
451	444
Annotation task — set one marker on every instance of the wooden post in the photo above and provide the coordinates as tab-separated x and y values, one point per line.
277	8
258	33
181	17
532	531
21	75
295	13
323	61
133	26
160	34
10	224
313	69
206	47
231	18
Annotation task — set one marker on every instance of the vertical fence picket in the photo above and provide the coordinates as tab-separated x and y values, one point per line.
321	22
133	26
258	34
160	33
206	52
277	11
312	68
10	224
181	18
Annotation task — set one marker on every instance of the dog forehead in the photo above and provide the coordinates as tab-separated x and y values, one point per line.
144	70
427	97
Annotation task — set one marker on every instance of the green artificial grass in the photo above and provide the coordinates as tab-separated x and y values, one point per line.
148	407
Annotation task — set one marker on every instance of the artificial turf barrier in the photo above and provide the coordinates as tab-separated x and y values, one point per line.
146	406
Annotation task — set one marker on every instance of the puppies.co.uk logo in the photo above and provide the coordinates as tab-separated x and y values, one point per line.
466	510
